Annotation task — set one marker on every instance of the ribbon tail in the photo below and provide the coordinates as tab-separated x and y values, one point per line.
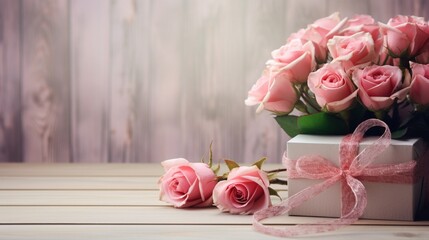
348	198
358	204
352	216
288	204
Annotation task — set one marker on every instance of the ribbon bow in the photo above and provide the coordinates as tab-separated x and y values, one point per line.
354	167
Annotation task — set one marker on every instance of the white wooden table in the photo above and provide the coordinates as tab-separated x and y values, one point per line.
120	201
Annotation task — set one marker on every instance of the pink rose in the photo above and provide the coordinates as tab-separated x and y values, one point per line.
379	86
352	50
405	35
361	23
273	92
311	35
300	35
419	88
319	33
423	57
296	60
318	30
186	184
365	23
259	90
332	87
244	192
325	25
360	20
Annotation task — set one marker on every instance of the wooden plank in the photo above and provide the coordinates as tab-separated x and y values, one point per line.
93	169
45	81
80	198
343	7
159	103
266	25
123	81
144	90
150	215
214	34
89	29
84	169
78	183
186	232
87	198
84	183
301	13
10	81
421	8
383	10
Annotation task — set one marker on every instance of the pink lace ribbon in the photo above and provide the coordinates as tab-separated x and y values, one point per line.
354	167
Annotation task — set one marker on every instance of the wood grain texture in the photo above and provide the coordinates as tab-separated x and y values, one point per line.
88	198
45	81
263	34
180	232
84	170
112	211
123	81
80	198
142	134
76	183
10	81
90	81
95	170
153	215
148	80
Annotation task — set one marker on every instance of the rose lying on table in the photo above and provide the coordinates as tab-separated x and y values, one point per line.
242	190
187	184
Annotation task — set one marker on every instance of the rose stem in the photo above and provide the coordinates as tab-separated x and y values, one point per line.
277	170
278	181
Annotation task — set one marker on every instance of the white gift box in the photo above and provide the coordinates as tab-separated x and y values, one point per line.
388	201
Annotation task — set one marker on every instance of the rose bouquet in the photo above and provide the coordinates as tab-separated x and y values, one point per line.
336	73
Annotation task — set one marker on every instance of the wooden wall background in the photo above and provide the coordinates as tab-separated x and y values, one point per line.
144	81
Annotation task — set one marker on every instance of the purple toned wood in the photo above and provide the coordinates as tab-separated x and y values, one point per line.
10	82
124	51
90	80
144	81
45	81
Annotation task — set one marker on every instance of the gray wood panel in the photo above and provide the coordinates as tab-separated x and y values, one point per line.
10	82
148	80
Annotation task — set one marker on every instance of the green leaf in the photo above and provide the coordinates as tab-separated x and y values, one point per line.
312	105
356	115
273	192
259	162
289	124
231	164
399	133
322	124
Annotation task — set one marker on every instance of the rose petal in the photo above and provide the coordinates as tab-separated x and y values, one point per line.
167	164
